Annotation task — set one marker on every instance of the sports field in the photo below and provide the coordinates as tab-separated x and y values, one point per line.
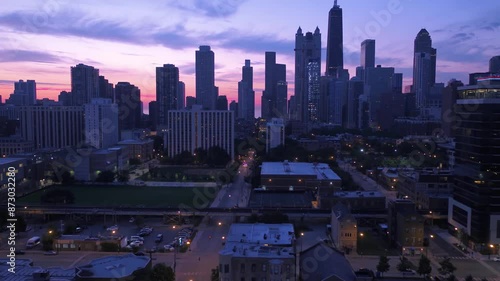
128	196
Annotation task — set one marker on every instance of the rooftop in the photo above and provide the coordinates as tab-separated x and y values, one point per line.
25	270
113	266
357	194
260	240
324	269
9	160
321	170
135	141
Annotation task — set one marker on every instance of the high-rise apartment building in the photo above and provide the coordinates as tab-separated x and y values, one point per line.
246	94
52	126
334	51
128	99
24	93
188	130
274	97
167	83
307	75
475	206
206	93
495	65
275	133
106	89
378	81
101	123
84	84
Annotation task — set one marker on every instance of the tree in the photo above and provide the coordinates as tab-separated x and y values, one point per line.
424	266
58	196
215	274
447	268
383	264
451	278
404	264
20	224
69	227
469	278
48	241
67	178
134	161
161	272
123	176
105	176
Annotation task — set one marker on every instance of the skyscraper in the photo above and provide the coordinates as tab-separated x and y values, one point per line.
181	95
101	123
307	75
84	84
246	94
128	99
334	51
424	67
495	64
106	89
167	83
474	208
272	105
368	53
24	93
379	81
206	94
221	103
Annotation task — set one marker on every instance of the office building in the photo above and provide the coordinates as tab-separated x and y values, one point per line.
128	99
84	84
14	145
206	93
299	176
307	75
181	95
368	53
153	114
101	123
52	126
474	208
233	106
334	47
24	93
274	97
424	67
167	83
379	81
258	252
495	65
275	133
190	101
246	94
448	116
106	89
188	130
221	103
92	162
355	88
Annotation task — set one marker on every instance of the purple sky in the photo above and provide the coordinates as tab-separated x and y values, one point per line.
126	40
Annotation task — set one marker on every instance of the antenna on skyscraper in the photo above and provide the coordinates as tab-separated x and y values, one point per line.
335	3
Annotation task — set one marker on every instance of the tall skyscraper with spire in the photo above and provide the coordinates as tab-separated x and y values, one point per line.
206	92
334	52
424	67
307	76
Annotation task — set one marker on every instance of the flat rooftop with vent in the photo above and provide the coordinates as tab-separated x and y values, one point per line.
258	250
124	267
293	176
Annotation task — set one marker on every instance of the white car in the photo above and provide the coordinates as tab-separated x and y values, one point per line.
136	238
169	248
136	243
111	228
496	259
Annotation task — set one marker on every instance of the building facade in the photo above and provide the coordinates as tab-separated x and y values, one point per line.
128	99
167	83
84	84
246	94
188	130
275	133
206	93
52	126
101	123
334	51
258	252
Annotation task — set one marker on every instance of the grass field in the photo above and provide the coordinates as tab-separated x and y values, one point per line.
128	196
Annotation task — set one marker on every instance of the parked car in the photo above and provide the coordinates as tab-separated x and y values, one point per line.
169	248
50	253
496	259
111	228
136	243
140	254
135	237
159	238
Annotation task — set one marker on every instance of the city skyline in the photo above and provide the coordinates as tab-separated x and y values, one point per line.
129	49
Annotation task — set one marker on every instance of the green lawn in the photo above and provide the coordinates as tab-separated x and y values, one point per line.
130	196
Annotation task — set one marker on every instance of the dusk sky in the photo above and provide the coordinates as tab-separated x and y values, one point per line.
126	40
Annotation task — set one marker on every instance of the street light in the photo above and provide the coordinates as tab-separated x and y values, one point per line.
491	250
